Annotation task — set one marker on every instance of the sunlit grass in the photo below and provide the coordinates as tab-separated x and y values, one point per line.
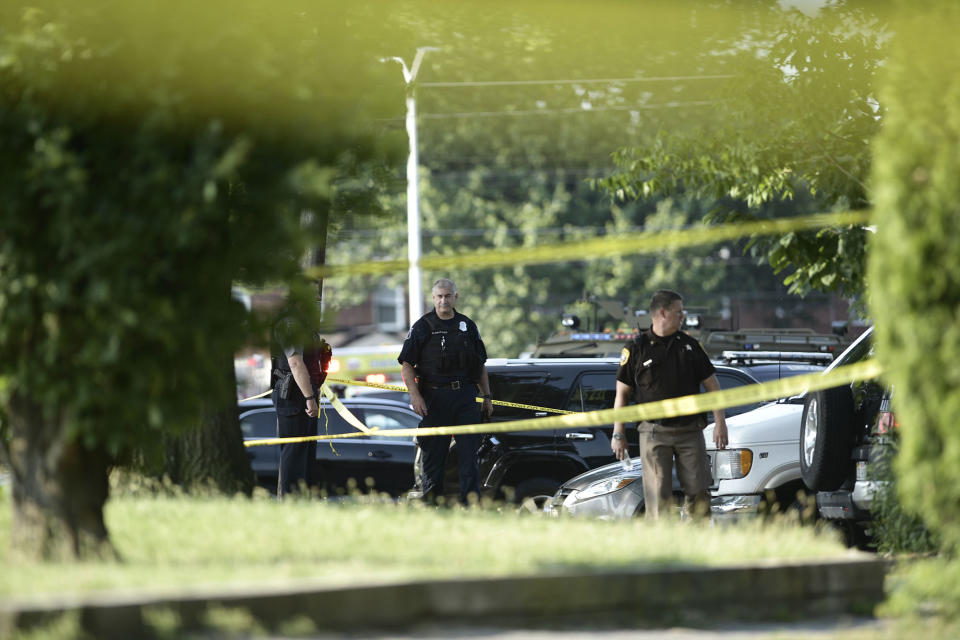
182	542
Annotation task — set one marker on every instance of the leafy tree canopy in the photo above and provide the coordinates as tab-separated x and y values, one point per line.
508	164
800	122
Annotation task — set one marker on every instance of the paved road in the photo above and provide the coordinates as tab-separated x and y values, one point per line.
822	629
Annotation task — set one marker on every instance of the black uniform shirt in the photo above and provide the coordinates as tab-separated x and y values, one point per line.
659	368
284	343
420	334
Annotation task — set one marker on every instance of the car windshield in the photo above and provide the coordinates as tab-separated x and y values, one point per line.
859	350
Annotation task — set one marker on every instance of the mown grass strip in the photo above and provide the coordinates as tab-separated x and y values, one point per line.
182	542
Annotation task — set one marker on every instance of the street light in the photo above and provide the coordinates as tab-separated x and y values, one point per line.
413	186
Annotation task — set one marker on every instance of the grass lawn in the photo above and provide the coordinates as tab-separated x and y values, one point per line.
178	542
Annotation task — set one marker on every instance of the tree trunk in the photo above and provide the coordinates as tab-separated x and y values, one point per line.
59	488
212	455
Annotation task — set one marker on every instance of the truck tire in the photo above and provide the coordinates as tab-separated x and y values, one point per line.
826	438
532	493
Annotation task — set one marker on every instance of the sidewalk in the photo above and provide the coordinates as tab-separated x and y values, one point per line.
649	597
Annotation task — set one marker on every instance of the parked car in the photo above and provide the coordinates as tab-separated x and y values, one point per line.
382	462
846	431
759	470
763	432
529	466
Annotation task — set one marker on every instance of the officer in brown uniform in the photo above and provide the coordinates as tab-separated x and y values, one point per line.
664	362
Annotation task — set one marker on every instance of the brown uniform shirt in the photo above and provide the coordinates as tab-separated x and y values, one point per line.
658	368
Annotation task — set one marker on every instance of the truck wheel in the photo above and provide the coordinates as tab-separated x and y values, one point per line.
826	438
533	493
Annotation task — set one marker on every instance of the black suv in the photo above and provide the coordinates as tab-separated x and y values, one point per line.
529	466
846	431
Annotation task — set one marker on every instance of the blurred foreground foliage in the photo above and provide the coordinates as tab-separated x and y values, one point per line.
915	286
152	154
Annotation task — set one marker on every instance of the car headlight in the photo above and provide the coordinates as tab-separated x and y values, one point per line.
732	464
604	486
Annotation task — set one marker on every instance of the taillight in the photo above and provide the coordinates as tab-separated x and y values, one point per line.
887	422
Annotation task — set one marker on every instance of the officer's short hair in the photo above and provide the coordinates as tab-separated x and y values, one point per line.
444	283
662	299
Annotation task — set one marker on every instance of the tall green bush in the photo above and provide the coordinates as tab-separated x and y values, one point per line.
151	154
914	269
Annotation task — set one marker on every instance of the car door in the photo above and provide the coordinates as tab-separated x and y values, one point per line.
593	391
265	460
382	463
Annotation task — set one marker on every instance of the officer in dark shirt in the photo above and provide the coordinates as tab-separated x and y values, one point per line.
664	362
443	365
295	401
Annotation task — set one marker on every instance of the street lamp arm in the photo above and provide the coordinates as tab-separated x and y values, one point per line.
407	76
422	51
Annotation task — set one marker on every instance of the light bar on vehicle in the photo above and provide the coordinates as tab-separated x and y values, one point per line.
778	356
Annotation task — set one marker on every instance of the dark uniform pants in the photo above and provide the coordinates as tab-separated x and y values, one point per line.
659	445
449	407
297	459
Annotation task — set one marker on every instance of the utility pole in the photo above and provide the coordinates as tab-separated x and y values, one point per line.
413	186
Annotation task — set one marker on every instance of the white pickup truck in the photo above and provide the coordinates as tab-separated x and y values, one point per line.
760	468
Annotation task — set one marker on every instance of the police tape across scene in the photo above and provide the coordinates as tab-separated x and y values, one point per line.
604	246
395	387
342	410
674	407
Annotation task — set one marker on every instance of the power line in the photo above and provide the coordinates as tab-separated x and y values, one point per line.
534	112
509	83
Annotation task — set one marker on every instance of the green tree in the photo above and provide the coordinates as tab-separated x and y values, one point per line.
507	165
150	156
800	124
914	267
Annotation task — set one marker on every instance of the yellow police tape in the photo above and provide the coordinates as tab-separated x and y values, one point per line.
259	395
674	407
395	387
605	246
342	410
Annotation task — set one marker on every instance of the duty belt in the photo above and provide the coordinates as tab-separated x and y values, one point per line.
456	384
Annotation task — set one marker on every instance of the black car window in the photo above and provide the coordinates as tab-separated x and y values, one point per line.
259	424
553	393
330	422
522	387
731	380
386	419
594	391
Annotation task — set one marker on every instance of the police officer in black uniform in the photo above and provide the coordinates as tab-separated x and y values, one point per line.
443	365
295	401
664	362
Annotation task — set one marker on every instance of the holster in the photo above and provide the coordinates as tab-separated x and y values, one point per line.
282	383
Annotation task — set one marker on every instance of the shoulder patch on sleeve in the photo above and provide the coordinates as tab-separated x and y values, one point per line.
624	356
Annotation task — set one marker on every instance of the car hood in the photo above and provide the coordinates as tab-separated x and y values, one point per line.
773	422
614	469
